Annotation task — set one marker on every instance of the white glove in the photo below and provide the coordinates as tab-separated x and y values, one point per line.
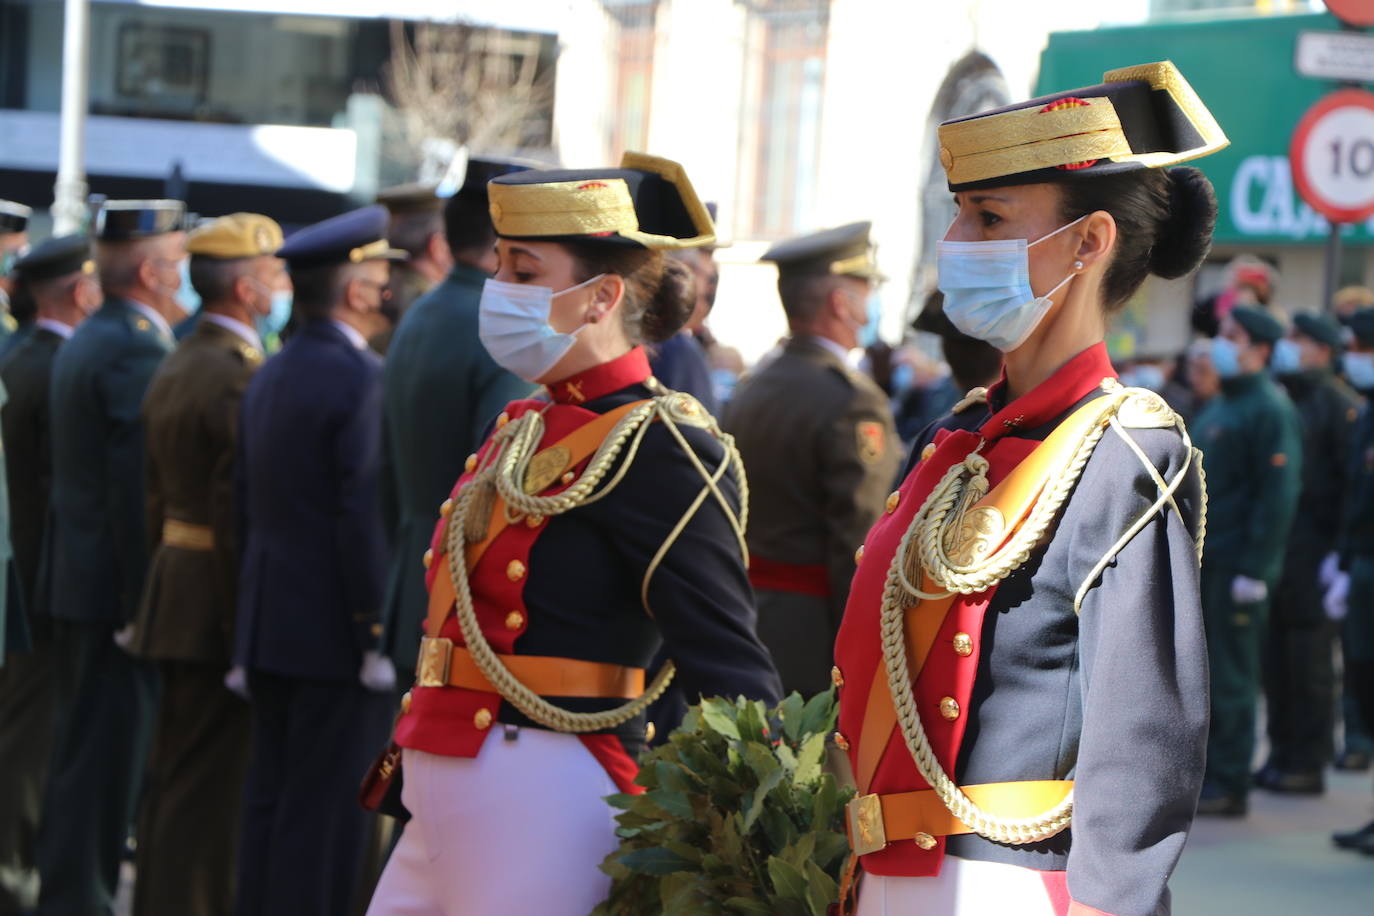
124	637
1331	568
377	672
236	679
1245	590
1335	601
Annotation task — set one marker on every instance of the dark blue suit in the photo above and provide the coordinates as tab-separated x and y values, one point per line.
310	592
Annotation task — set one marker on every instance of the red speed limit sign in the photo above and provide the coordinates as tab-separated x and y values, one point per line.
1332	153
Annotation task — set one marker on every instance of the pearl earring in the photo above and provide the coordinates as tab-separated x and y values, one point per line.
1077	265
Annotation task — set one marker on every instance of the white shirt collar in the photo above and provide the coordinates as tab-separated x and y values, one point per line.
351	333
840	352
246	333
52	324
147	311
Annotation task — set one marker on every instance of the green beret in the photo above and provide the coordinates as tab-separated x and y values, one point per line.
1258	323
1362	326
1320	328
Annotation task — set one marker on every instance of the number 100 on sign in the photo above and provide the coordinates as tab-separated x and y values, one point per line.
1332	153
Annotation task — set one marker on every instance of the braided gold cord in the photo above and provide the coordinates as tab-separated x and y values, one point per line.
514	445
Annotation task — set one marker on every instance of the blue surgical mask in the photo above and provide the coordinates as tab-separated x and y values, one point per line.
513	324
868	334
1225	357
186	295
903	377
1144	376
1359	369
1287	358
987	288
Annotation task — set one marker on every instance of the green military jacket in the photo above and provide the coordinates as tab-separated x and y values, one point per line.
190	426
821	453
1251	441
440	391
27	374
97	550
1357	523
1328	410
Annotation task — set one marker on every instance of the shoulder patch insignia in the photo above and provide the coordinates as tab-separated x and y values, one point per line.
546	467
974	397
872	440
683	408
1279	460
1144	409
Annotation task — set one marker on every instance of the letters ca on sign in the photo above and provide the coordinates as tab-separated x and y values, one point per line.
1263	202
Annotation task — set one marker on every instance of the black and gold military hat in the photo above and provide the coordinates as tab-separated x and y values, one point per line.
646	203
238	235
481	170
129	220
1321	328
352	237
1138	117
845	251
57	257
416	197
14	217
1258	323
1362	326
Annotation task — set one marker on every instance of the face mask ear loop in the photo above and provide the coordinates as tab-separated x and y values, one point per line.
572	289
1059	230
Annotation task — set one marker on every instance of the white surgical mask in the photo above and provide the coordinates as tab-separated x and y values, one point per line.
279	310
1359	369
513	324
1287	358
987	288
1225	357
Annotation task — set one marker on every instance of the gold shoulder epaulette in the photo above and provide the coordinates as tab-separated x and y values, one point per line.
681	407
975	396
1145	409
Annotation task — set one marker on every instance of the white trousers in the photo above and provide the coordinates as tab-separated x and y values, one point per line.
518	830
964	887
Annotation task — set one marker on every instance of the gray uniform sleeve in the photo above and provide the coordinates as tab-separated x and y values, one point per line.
1144	679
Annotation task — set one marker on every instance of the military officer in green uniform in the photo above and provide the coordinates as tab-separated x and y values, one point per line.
96	554
60	276
820	448
416	226
188	821
1251	442
1352	596
1299	680
440	390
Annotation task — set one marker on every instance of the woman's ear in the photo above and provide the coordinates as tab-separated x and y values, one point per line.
1098	238
607	295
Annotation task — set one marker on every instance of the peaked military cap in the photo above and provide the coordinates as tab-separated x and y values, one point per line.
646	203
1362	326
238	235
352	237
128	220
1138	117
845	251
1321	328
416	197
14	217
1258	323
481	170
57	257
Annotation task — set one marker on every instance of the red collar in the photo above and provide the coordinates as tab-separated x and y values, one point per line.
599	381
1072	382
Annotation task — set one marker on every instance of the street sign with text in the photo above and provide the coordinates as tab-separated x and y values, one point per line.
1346	56
1332	153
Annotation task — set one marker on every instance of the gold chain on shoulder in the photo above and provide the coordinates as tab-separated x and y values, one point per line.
504	469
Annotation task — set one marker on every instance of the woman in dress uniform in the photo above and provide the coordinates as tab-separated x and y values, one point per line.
594	523
1021	665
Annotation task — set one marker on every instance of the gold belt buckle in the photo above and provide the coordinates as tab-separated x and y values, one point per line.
866	831
435	655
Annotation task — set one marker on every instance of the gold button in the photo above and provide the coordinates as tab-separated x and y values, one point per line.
502	420
841	742
892	500
928	450
649	731
142	324
446	507
515	620
963	645
534	521
470	464
483	719
515	570
946	158
428	558
949	708
405	703
375	630
568	477
924	840
836	677
859	555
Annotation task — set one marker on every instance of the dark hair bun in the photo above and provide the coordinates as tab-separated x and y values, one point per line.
1185	236
672	302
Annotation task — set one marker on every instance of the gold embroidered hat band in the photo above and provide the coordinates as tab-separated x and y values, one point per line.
1138	117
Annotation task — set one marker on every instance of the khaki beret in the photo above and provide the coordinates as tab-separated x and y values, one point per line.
238	235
